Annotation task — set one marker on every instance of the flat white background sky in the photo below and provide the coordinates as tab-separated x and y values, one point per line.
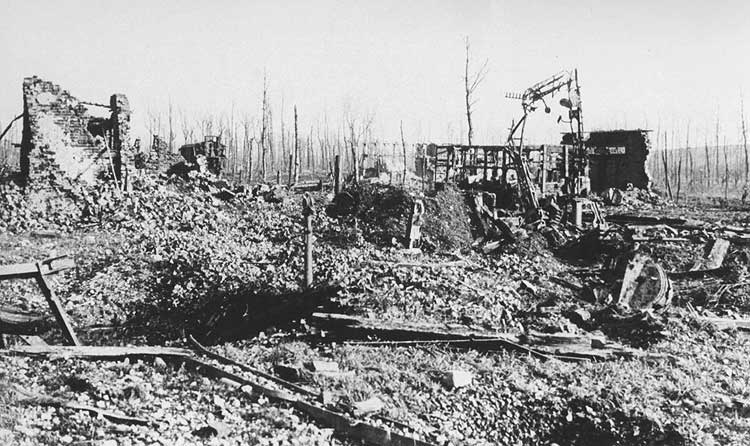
649	64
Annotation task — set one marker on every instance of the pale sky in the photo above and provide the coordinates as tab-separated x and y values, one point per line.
653	64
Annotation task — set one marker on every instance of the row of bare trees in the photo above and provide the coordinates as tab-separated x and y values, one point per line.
256	152
714	168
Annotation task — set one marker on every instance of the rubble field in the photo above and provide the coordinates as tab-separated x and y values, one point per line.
471	340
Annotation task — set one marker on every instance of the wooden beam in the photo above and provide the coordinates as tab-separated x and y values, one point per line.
29	270
22	323
56	306
44	400
104	353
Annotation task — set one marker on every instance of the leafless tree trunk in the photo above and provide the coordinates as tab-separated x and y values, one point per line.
726	171
470	86
403	149
679	170
708	165
171	128
296	147
665	161
718	178
247	161
689	161
188	131
263	129
744	140
357	130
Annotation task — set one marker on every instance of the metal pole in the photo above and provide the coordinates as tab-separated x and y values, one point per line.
307	212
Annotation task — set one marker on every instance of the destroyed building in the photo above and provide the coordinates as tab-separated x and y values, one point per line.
616	158
62	141
207	156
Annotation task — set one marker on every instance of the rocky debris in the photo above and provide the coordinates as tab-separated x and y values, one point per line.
457	378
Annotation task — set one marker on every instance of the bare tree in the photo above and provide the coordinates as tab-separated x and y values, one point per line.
403	149
470	85
679	170
296	147
357	129
188	131
744	139
248	152
171	128
717	148
263	129
665	162
708	162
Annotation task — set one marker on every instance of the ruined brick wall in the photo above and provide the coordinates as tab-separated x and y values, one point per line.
61	141
617	158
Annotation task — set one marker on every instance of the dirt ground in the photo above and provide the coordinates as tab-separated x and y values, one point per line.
160	266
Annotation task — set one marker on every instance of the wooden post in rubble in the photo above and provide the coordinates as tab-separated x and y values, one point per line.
414	229
337	175
307	213
544	168
291	165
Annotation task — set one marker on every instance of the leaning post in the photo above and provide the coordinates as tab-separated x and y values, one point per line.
307	213
337	175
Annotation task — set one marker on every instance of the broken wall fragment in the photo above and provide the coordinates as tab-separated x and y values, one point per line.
62	141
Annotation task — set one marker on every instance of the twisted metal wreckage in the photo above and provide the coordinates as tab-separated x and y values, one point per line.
516	186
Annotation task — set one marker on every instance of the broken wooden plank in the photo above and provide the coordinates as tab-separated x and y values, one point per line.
29	270
728	324
351	327
345	426
212	371
454	263
14	321
368	406
198	346
357	429
660	239
44	400
56	306
33	340
99	353
715	252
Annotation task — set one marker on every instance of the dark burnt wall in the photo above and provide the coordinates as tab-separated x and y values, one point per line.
617	158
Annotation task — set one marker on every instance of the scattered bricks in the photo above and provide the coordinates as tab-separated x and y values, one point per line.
288	372
368	406
159	364
322	366
328	398
457	378
579	316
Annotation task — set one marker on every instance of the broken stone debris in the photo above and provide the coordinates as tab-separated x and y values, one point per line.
457	378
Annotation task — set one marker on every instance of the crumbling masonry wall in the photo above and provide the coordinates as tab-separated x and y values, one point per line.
61	142
618	158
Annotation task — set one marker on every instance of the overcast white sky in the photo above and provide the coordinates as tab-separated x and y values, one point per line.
654	64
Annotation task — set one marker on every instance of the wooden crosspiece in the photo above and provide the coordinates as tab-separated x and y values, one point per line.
38	271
